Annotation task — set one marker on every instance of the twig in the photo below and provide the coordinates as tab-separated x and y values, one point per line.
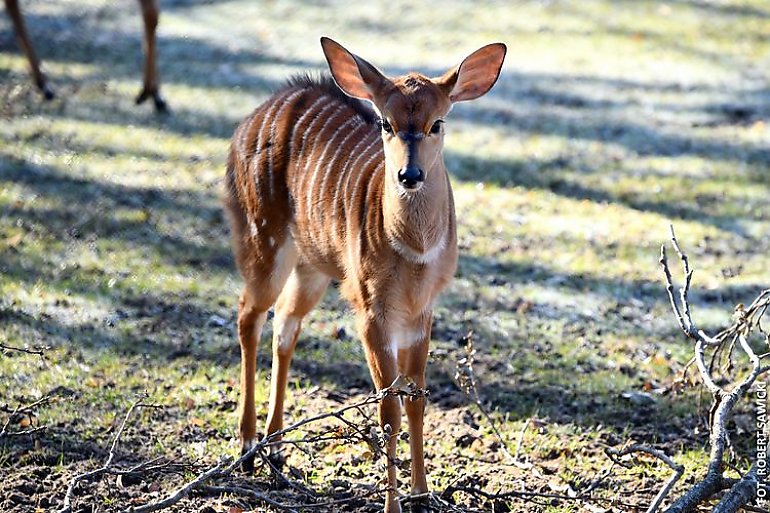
519	441
24	409
678	469
465	378
181	492
241	490
38	351
67	505
225	467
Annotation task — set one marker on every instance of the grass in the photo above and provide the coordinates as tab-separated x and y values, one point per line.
611	120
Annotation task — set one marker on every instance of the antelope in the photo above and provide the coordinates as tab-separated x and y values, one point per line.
150	88
343	178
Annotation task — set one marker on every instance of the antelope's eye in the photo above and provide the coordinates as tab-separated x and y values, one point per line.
436	128
384	125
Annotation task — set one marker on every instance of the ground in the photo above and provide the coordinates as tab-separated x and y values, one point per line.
611	120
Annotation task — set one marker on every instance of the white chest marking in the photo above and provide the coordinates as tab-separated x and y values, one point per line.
419	257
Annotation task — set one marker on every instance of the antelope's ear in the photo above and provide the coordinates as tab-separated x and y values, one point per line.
475	76
352	74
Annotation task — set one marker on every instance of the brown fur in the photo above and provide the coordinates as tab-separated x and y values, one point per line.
313	195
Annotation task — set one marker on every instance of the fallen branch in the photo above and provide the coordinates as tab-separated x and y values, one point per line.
615	454
38	351
465	378
107	466
28	409
400	388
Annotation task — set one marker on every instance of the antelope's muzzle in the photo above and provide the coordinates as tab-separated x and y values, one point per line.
411	177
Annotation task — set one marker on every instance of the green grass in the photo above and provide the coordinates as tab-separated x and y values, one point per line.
611	121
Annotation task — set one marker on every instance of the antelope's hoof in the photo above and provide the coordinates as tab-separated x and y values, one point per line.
247	465
160	103
421	505
47	92
277	460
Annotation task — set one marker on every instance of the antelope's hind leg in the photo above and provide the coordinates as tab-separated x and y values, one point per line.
303	290
263	284
150	87
12	7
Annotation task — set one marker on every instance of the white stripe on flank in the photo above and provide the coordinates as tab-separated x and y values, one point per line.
300	160
319	159
364	167
261	140
271	137
343	172
354	171
299	122
322	160
309	130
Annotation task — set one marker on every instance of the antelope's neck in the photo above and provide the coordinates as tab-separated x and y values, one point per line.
417	224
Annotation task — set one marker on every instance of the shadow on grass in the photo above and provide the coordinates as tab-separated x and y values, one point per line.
557	175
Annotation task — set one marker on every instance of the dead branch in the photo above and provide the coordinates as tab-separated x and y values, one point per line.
615	454
401	387
746	321
741	493
107	466
38	351
465	378
244	492
28	409
541	498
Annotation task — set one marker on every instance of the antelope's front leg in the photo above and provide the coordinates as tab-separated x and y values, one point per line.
384	369
412	360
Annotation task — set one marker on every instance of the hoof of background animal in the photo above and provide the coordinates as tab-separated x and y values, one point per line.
160	103
47	93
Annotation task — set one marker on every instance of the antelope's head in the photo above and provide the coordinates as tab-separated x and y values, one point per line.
411	108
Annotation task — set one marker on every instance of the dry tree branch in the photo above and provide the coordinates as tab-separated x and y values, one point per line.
244	492
400	388
465	378
38	351
107	466
615	454
29	408
723	401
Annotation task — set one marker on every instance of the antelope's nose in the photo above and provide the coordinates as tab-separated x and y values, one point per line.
411	176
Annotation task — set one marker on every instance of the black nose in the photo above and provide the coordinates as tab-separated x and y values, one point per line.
410	177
